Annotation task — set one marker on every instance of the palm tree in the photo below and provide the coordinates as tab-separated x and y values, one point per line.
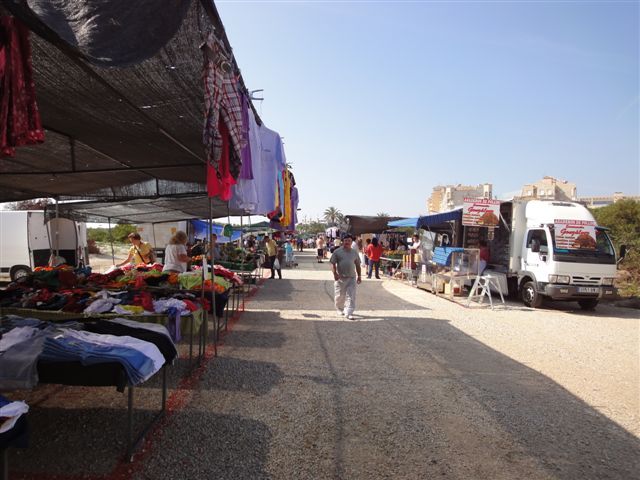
333	216
383	215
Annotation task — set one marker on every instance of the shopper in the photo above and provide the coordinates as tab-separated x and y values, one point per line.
320	248
272	252
345	264
175	255
140	252
374	252
215	248
366	249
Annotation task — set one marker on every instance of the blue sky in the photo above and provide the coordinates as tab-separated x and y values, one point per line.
378	102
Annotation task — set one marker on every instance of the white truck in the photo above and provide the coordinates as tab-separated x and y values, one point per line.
552	249
27	241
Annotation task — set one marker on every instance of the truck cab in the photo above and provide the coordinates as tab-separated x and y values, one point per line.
560	253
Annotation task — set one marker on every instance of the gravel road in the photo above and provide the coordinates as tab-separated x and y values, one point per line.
415	387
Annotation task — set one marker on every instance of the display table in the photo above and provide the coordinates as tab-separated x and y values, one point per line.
191	327
103	375
452	283
393	263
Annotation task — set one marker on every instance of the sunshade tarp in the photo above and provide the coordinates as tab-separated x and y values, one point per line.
405	222
108	128
358	224
438	220
114	33
201	230
145	210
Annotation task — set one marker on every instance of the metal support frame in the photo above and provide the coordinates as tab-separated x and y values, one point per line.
134	444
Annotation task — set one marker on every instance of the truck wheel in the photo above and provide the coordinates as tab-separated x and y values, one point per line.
588	303
19	271
530	296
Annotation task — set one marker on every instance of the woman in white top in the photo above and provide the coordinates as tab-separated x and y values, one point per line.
175	255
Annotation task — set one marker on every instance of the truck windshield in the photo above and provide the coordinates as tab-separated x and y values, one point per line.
602	253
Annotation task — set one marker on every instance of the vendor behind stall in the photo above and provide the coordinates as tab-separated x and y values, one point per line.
175	255
217	255
140	252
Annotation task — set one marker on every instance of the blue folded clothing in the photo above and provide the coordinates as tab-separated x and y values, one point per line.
138	366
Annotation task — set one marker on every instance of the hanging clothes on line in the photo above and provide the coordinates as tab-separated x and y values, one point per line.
20	122
223	120
245	194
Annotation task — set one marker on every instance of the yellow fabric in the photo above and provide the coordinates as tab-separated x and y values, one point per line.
286	208
144	248
272	247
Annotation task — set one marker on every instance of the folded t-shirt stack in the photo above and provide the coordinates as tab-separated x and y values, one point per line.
141	348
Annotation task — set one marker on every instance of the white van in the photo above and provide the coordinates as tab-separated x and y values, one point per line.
26	241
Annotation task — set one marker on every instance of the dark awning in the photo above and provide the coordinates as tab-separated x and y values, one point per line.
358	224
145	210
439	220
111	127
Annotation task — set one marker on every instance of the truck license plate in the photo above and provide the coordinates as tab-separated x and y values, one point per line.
587	289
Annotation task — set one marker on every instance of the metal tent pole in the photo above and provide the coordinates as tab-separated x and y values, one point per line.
57	230
113	255
213	281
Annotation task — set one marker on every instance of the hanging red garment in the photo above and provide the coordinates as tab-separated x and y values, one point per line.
19	117
220	181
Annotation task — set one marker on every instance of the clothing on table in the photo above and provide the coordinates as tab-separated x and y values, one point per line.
10	412
19	363
162	340
139	359
143	250
15	336
172	260
153	327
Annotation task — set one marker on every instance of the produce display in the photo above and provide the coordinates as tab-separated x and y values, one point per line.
232	258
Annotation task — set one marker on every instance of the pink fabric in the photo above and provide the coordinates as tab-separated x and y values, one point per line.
19	117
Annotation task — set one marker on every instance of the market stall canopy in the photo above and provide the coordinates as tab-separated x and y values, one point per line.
439	221
404	223
144	210
358	224
105	127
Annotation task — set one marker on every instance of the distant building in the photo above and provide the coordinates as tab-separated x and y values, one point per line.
448	197
603	201
550	188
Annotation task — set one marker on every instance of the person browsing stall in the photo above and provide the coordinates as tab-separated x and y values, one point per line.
215	247
374	252
272	252
175	255
140	252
